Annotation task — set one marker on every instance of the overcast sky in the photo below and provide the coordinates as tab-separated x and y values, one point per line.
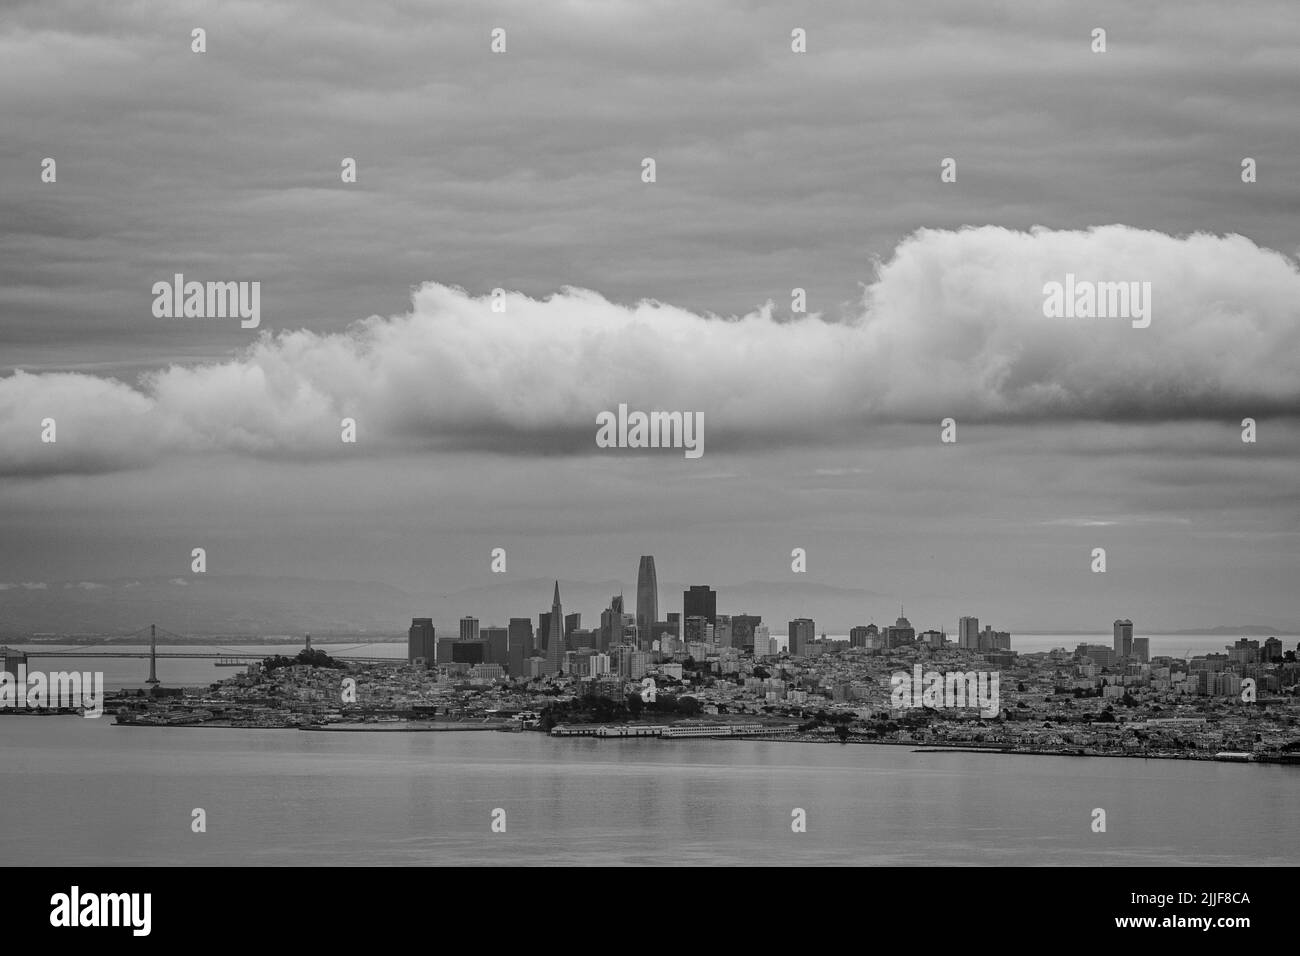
775	170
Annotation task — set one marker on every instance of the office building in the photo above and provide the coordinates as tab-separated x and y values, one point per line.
469	629
901	633
647	600
469	652
1243	651
497	640
1142	649
1001	659
1099	654
420	642
520	645
802	632
991	640
1123	639
1208	662
611	623
664	633
620	659
638	663
742	631
722	630
697	630
930	638
572	622
968	631
700	600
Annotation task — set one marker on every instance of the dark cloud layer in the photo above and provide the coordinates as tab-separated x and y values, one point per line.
522	171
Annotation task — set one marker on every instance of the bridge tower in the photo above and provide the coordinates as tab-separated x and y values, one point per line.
153	655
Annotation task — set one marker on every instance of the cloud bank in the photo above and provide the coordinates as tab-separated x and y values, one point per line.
951	325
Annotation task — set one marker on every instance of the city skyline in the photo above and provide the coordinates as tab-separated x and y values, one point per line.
691	631
702	600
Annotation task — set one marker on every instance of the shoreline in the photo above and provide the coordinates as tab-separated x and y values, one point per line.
502	727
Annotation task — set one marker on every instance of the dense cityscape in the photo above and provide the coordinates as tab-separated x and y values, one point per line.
699	673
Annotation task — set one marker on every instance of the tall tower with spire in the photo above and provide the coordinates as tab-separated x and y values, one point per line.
555	638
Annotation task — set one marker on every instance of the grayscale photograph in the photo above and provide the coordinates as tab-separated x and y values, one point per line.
650	434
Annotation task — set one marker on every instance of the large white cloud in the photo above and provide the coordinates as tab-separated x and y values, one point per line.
951	325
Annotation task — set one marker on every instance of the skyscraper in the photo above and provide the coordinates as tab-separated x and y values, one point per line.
1142	649
1123	638
696	630
647	600
968	631
700	600
520	644
497	639
543	631
742	630
469	628
675	623
555	640
722	630
802	633
420	641
611	623
903	633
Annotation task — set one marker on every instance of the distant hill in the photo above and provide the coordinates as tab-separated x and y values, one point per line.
255	606
1245	630
198	605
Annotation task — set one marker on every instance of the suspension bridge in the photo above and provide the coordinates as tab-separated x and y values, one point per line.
224	657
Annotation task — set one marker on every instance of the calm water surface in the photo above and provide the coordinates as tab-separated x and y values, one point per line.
79	791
